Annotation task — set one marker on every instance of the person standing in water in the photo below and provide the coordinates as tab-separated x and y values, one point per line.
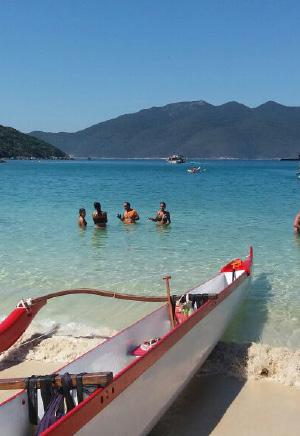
81	219
162	215
99	216
130	216
297	223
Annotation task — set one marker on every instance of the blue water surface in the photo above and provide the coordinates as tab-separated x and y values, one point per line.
216	215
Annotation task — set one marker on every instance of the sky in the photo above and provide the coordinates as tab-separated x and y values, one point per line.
68	64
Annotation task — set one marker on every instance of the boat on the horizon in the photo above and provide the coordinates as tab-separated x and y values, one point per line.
291	158
144	367
176	159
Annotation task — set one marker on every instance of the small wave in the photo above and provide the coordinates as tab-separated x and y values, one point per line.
50	342
255	361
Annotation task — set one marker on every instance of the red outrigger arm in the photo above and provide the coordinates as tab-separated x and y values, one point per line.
12	328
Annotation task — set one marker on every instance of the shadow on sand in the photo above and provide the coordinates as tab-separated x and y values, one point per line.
211	391
18	353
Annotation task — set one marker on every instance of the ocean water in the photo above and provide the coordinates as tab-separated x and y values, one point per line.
216	215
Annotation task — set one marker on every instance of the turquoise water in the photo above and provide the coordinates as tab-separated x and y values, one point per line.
215	215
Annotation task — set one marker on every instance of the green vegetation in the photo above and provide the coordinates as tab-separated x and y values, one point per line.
14	144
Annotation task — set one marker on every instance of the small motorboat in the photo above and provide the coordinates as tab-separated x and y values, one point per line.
176	159
134	376
194	170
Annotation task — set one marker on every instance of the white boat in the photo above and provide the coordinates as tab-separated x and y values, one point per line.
194	170
144	386
176	159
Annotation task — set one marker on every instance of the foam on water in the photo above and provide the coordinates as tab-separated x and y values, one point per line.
215	216
255	361
50	342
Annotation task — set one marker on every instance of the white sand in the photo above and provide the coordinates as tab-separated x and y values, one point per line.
224	406
256	401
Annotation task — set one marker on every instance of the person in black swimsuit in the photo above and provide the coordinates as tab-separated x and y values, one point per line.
99	217
162	215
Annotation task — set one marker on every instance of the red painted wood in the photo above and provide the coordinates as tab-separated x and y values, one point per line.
91	406
12	328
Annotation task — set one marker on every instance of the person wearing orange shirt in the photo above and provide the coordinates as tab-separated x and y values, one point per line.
130	216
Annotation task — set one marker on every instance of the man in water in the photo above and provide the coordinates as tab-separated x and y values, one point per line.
130	216
297	223
99	217
162	215
81	219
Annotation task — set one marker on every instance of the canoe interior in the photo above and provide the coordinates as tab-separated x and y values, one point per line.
113	355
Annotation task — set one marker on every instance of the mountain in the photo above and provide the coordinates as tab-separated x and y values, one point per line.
196	129
16	144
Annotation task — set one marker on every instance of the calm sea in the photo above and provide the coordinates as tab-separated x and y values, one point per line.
216	215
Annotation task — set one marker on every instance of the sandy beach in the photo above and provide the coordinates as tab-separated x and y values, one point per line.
212	403
225	406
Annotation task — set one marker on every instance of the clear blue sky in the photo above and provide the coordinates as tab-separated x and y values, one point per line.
68	64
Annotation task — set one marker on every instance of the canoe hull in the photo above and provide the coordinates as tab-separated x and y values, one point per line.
147	398
143	387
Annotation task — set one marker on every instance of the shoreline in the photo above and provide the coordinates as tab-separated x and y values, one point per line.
224	406
242	389
214	404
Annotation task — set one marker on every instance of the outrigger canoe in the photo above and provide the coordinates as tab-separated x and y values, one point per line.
141	370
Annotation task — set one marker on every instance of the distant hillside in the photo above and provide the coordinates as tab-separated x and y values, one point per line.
196	129
16	144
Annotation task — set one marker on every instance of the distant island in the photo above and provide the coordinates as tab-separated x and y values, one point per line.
194	129
17	145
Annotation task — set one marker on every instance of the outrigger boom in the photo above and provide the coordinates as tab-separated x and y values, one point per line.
12	327
151	361
15	324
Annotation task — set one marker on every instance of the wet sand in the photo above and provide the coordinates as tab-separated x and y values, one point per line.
224	406
211	405
259	395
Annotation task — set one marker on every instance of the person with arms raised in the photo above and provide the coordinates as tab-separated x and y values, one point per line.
130	216
162	215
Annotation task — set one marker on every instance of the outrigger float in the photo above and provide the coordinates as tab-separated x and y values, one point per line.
124	385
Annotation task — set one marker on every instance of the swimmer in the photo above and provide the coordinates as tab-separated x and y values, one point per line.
297	223
99	217
130	216
81	219
162	215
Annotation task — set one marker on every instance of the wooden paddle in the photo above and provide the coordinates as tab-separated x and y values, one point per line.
170	307
92	378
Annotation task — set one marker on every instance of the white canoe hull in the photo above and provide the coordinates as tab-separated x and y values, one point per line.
143	387
147	399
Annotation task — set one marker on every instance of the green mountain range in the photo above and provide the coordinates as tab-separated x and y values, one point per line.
14	144
195	129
